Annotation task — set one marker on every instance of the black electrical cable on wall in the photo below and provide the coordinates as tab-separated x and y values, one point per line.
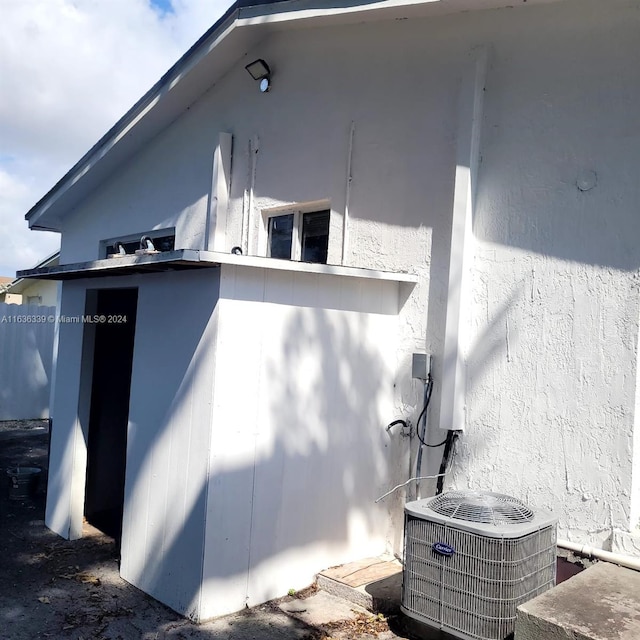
427	400
449	442
395	422
428	392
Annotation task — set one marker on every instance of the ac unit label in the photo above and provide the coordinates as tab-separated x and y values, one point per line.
443	549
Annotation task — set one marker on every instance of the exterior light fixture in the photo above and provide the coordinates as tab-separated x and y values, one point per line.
146	247
146	244
260	72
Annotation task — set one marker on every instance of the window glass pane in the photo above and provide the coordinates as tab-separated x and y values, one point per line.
315	236
280	236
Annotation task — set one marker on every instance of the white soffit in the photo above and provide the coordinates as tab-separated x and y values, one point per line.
297	13
203	65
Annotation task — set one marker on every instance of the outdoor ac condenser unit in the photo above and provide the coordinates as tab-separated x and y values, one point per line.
471	558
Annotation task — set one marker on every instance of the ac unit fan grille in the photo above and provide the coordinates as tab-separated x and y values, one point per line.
482	507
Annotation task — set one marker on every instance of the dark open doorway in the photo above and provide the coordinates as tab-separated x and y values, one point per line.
114	325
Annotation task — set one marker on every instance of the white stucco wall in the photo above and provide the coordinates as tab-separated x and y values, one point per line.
11	298
45	290
553	358
552	361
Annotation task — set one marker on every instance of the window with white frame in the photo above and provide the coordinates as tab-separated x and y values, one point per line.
298	235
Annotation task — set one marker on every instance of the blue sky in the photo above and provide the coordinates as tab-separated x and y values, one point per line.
164	6
69	69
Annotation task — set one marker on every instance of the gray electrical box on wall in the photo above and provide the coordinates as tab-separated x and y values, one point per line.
421	366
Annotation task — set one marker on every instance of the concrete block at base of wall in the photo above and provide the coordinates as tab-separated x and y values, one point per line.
601	603
372	583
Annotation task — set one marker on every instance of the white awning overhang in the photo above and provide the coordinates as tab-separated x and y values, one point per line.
182	259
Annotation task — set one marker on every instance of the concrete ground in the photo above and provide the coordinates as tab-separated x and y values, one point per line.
601	603
53	588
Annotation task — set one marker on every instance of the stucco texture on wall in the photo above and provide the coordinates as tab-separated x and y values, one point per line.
551	401
552	364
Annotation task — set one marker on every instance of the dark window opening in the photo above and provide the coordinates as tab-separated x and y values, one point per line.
281	236
299	236
315	237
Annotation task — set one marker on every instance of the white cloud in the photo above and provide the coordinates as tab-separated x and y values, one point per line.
69	69
18	245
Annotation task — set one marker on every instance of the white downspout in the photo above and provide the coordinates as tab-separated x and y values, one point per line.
617	558
453	391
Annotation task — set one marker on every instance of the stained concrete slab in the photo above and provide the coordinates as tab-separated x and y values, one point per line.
375	584
361	572
601	603
372	583
321	608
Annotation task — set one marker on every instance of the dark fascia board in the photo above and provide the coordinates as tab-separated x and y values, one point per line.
16	286
125	265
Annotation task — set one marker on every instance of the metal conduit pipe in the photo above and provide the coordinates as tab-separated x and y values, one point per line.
617	558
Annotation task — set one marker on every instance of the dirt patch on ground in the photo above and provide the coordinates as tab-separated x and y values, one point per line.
363	623
54	588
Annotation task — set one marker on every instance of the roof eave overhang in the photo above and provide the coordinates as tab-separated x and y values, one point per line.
228	40
128	134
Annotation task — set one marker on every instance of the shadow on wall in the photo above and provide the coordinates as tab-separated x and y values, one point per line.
334	454
318	456
489	346
551	372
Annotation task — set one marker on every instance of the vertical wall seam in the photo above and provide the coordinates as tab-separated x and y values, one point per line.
347	198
